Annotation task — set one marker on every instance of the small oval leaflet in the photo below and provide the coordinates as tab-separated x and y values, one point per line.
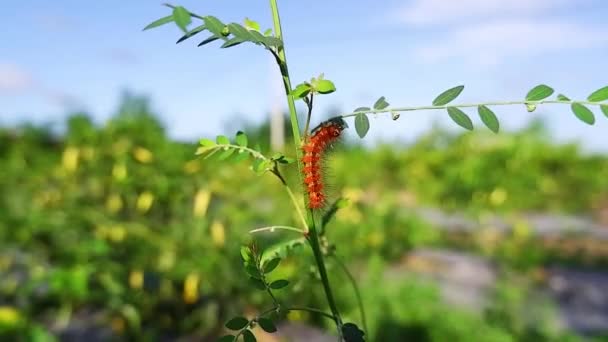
226	338
237	323
448	96
599	95
604	109
271	265
540	92
325	87
459	117
248	336
488	118
381	103
241	139
182	19
583	113
267	325
361	124
279	284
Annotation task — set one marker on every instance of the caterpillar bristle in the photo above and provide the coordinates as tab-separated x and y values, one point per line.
314	147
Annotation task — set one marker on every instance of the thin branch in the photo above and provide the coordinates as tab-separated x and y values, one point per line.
273	228
321	312
356	288
495	103
309	104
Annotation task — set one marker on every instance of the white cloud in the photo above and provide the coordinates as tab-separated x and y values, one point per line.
430	12
491	42
14	79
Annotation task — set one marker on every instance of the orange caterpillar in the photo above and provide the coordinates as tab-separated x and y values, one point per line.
314	147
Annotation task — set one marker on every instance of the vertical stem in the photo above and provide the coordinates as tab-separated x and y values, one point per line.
295	127
313	236
316	248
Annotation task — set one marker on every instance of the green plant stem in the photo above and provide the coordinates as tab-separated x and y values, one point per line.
295	127
495	103
273	228
309	103
313	239
321	312
282	60
277	173
357	292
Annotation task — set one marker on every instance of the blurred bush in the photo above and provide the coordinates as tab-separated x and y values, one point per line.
121	227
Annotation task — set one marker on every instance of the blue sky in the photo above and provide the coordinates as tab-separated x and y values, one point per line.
60	55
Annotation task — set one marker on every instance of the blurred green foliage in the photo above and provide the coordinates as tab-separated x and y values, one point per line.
123	226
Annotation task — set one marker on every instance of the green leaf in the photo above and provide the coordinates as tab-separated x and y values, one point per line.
191	33
599	95
206	142
325	87
530	107
257	37
268	32
251	24
237	323
253	271
214	25
381	103
333	209
540	92
395	116
583	113
227	153
223	140
279	284
271	265
562	97
232	42
248	336
209	40
460	118
257	283
447	96
361	124
240	156
352	333
246	254
267	325
159	22
240	32
182	19
227	338
241	139
604	109
488	118
273	42
282	249
301	90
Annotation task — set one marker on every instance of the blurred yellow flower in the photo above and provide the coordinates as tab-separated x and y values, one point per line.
498	196
69	159
114	203
191	288
143	155
9	316
218	235
201	202
119	171
136	279
192	166
144	201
